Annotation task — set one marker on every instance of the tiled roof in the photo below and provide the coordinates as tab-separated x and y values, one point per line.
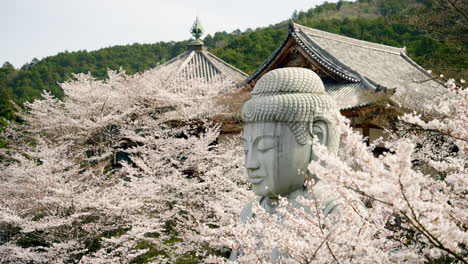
386	66
366	69
201	64
350	95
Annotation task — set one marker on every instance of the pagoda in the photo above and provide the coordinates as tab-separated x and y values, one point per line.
198	63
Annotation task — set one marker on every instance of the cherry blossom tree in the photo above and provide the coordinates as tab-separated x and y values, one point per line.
121	170
128	169
414	195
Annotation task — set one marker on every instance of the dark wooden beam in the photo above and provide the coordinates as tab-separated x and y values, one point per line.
367	126
365	132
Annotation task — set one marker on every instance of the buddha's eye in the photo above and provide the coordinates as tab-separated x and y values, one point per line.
266	143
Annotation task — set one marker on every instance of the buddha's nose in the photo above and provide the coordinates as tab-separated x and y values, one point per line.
251	161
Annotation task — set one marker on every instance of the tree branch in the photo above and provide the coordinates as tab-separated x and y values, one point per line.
457	9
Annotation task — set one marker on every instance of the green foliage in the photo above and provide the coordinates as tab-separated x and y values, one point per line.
96	243
150	255
32	239
248	50
6	108
382	21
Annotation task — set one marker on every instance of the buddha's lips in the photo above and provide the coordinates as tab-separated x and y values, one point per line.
256	179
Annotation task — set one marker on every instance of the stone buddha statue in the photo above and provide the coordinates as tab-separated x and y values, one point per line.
286	109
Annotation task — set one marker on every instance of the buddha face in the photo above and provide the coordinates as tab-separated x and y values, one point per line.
276	163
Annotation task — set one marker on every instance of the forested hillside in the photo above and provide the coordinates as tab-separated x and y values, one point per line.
131	168
433	31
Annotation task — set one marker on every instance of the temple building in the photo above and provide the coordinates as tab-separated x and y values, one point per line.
198	63
362	76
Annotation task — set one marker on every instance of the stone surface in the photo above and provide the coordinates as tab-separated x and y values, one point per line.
291	95
287	108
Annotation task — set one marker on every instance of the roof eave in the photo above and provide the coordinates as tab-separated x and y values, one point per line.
208	54
334	65
267	62
323	58
405	56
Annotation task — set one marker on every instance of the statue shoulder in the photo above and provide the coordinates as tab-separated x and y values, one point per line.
332	203
247	211
328	197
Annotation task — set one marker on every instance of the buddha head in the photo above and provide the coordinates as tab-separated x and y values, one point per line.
288	107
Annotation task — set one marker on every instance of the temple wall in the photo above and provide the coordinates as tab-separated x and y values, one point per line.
376	133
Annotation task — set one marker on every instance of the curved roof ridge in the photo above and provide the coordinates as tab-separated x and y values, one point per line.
327	60
208	54
175	59
334	65
348	40
186	61
203	64
405	56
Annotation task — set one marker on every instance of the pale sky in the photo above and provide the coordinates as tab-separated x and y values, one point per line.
40	28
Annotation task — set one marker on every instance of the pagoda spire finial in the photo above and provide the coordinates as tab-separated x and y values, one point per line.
197	29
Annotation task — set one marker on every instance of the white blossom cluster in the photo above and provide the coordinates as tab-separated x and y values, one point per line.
128	169
415	197
125	169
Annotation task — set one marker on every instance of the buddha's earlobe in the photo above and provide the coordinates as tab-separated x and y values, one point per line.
319	129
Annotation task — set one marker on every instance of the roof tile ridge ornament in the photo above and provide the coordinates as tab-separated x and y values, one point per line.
197	31
348	40
292	26
295	26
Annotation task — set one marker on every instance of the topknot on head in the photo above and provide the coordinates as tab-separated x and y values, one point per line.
289	80
288	95
292	95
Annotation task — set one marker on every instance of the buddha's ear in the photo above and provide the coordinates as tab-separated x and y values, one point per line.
320	129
